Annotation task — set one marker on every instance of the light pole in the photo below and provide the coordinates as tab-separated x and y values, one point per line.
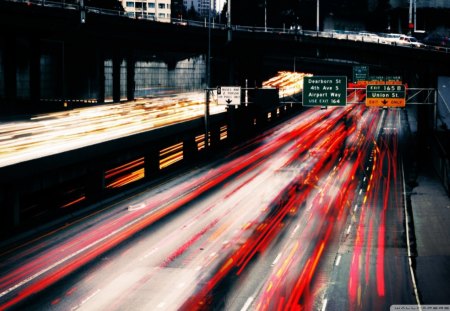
410	25
265	15
208	80
229	20
317	17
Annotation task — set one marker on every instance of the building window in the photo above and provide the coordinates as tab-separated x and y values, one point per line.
130	4
161	15
162	5
151	5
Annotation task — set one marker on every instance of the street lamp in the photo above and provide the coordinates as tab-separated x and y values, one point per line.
208	80
317	17
265	15
229	20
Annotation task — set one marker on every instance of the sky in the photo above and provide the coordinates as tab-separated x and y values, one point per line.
220	5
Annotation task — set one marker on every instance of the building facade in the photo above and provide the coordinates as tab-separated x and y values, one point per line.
200	6
157	10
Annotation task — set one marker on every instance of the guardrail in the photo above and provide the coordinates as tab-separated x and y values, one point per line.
339	35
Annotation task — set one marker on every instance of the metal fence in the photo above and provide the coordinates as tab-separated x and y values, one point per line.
333	34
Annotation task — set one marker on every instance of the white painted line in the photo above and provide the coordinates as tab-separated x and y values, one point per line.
149	253
356	207
338	260
136	207
324	304
364	180
74	254
295	229
360	191
276	259
413	278
86	300
247	304
348	229
161	305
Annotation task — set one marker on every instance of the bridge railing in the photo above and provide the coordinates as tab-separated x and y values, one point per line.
333	34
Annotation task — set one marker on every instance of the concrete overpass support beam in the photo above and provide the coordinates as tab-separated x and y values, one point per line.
35	72
101	77
116	78
131	64
10	64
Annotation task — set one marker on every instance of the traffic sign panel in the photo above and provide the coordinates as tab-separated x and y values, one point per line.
360	73
229	95
385	96
325	91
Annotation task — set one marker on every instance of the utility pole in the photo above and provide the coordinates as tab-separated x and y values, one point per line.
229	20
265	15
208	80
410	22
317	17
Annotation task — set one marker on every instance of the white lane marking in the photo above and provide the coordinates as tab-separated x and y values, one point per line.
349	228
136	207
247	304
413	278
276	259
356	207
295	229
338	260
86	300
324	304
360	191
149	253
364	180
74	254
161	305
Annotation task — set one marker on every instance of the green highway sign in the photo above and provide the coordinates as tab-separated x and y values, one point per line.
393	79
325	91
377	79
360	73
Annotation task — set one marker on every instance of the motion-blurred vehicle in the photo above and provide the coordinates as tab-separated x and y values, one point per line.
437	40
390	38
369	37
409	41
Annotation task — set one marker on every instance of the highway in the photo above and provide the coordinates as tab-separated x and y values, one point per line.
307	215
57	132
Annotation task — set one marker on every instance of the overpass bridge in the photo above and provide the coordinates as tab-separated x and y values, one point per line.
50	58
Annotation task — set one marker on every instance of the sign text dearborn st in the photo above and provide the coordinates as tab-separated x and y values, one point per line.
325	91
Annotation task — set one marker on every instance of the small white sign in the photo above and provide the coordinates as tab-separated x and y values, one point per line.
229	95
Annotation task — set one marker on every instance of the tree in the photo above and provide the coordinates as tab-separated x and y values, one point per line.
192	14
178	9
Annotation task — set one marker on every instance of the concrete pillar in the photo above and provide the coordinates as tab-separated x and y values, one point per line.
10	64
130	77
35	71
101	77
116	78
